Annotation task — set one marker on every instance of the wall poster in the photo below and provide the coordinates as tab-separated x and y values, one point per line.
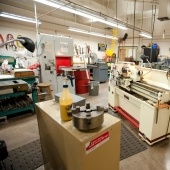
102	47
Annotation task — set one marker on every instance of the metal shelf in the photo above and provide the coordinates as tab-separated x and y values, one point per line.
18	110
29	80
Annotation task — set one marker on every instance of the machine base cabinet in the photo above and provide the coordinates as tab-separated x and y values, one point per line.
100	73
66	148
153	123
142	96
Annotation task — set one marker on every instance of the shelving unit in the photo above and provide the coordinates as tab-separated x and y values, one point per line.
127	53
18	105
122	54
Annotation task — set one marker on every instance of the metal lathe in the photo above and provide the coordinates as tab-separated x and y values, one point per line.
142	95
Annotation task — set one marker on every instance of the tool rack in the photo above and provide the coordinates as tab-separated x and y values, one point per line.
20	101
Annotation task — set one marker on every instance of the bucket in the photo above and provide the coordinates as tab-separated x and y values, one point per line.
81	82
93	88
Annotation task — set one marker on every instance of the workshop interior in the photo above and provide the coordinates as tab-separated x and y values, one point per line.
84	85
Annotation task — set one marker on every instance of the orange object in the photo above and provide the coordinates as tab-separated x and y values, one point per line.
65	102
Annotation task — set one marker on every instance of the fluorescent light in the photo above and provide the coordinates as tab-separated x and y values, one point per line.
68	9
145	35
57	35
91	33
80	12
113	24
49	3
18	17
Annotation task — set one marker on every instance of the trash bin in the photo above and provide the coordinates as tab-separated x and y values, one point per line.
93	88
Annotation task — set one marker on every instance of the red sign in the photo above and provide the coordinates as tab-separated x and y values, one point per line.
97	142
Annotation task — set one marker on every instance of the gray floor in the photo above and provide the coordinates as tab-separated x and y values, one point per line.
23	129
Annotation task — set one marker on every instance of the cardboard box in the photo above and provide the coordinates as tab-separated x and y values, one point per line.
23	73
65	147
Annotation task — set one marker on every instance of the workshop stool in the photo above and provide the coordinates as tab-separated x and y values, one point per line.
44	87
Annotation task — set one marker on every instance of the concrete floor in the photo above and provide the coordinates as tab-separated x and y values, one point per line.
23	129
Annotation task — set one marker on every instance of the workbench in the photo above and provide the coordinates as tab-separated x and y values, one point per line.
30	80
66	148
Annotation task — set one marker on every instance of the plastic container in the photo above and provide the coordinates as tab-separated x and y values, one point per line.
65	102
93	88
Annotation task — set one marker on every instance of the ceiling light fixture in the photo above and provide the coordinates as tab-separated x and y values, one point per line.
84	13
145	35
65	7
18	17
113	24
91	33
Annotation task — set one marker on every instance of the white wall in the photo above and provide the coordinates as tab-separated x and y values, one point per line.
93	45
4	31
81	41
162	43
30	31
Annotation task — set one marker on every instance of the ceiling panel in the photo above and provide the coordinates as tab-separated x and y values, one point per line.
122	10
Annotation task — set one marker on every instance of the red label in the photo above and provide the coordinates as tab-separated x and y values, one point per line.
97	142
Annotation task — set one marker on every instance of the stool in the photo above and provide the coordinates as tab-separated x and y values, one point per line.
45	86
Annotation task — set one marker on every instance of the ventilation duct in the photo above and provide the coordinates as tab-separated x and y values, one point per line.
164	10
